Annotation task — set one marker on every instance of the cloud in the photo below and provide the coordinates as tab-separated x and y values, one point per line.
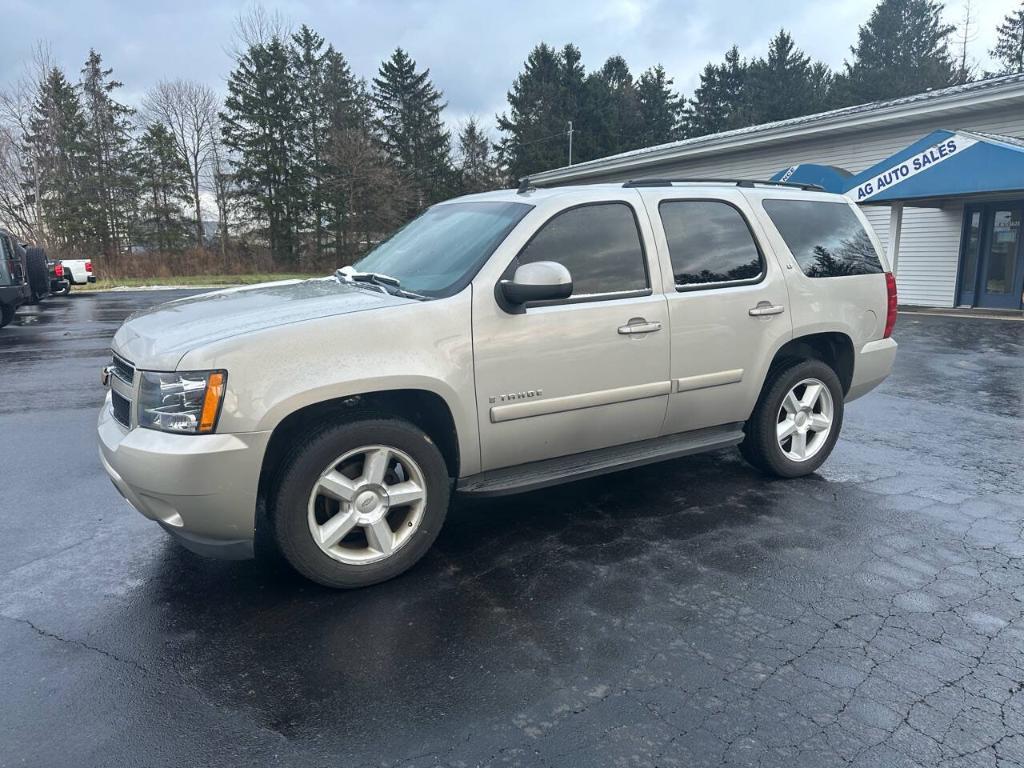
473	48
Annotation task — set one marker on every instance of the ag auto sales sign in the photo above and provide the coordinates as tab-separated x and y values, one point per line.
912	166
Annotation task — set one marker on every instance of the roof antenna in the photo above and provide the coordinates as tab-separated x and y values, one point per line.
524	186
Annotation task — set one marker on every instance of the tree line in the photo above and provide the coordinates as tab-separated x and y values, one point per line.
313	163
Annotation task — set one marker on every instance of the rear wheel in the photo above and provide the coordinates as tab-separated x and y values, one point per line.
6	314
360	502
797	420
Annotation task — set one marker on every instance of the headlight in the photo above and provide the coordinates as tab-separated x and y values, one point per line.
187	402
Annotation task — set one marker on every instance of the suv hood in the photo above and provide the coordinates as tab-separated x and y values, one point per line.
157	338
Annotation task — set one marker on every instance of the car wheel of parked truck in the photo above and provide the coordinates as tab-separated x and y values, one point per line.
360	502
796	421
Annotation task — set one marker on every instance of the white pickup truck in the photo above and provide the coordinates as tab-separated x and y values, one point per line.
78	272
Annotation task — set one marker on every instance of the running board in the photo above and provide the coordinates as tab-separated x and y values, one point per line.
564	469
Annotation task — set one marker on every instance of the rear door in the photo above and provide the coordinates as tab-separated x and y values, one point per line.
727	301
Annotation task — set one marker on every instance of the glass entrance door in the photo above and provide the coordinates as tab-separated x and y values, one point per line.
993	257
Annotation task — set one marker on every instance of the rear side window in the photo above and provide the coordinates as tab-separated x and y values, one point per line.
826	238
709	243
598	244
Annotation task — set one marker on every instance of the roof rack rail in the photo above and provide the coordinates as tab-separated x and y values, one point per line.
632	183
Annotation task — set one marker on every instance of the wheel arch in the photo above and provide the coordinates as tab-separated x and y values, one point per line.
834	348
424	408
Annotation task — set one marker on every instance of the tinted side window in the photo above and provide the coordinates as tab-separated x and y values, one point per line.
598	244
826	238
709	242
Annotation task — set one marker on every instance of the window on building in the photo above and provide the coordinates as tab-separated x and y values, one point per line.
709	243
598	244
826	238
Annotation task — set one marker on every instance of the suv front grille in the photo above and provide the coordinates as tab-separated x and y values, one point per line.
124	370
121	407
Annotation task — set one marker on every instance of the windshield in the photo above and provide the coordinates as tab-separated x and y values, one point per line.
439	252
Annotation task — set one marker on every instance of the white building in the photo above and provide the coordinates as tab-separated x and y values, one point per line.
936	265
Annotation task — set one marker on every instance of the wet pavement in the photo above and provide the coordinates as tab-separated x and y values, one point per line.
687	614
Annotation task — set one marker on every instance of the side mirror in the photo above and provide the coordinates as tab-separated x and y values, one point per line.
539	281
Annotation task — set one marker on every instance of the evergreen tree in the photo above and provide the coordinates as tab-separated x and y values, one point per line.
109	188
355	161
822	81
259	126
545	96
310	65
409	123
660	108
370	196
477	170
718	102
609	121
783	85
164	185
1009	48
901	50
56	138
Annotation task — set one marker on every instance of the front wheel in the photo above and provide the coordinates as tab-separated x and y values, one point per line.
797	420
360	502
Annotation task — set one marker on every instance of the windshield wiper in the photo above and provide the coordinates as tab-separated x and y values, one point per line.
386	283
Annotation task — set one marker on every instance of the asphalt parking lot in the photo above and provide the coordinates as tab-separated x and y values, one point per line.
686	614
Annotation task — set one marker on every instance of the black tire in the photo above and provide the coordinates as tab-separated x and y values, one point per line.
38	273
6	314
301	469
761	448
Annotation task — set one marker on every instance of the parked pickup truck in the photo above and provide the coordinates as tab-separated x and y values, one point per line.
500	342
14	287
78	271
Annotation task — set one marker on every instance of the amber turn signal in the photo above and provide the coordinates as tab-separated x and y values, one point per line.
211	402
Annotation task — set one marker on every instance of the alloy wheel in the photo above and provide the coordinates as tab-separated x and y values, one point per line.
804	420
367	504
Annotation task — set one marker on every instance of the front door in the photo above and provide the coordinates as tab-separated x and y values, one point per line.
589	372
1001	273
993	257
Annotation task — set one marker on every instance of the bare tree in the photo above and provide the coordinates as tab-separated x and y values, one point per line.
258	26
19	176
967	34
189	110
223	185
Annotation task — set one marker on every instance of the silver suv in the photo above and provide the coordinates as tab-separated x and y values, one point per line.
498	343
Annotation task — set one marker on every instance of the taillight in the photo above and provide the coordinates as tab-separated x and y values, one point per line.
88	266
58	270
890	315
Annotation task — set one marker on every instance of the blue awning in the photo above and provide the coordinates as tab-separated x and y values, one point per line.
942	164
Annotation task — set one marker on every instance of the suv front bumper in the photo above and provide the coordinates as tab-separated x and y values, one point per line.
200	488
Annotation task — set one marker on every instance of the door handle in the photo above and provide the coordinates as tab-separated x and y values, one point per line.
766	308
639	325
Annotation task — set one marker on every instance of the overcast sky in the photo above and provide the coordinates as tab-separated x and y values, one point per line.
474	48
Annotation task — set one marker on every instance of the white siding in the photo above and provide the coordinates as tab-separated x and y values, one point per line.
930	239
929	253
878	215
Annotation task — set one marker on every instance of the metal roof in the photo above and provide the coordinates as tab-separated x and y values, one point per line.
1007	87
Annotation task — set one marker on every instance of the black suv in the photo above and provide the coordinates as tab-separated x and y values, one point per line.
14	287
